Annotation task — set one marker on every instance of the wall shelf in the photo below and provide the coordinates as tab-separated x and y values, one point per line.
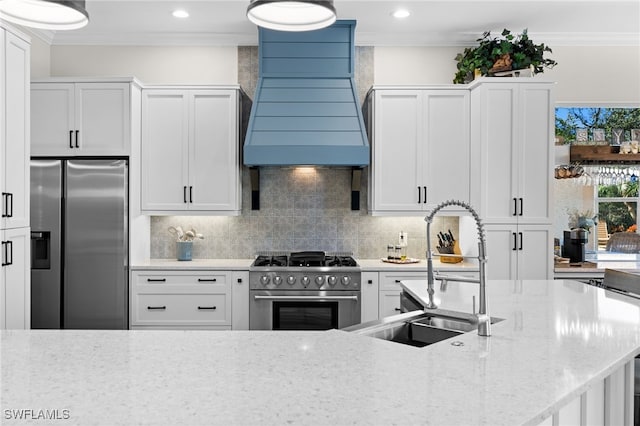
599	154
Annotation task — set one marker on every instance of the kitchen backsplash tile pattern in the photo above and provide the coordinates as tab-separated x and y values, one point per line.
300	208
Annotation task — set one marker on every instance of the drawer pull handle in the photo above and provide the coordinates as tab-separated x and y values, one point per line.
397	309
398	281
207	280
156	280
156	308
206	308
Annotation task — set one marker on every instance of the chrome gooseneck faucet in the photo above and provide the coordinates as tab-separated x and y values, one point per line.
484	321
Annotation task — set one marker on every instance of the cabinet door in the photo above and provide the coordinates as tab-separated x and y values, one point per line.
165	151
397	151
102	112
523	252
214	169
240	300
389	303
535	252
502	252
16	297
15	140
495	108
535	153
446	167
369	292
52	119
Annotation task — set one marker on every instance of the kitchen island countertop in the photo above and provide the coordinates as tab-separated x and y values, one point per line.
556	339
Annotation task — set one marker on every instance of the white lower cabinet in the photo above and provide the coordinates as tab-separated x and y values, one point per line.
369	294
525	252
240	300
167	299
381	290
15	279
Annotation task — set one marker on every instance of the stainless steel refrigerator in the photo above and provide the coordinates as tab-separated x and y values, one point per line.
79	244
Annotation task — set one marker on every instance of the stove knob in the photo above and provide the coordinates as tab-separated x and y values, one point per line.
291	280
345	280
319	280
277	280
332	281
264	279
305	281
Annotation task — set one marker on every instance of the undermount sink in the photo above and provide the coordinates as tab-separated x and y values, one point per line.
419	328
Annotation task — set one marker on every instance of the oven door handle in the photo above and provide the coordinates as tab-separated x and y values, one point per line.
256	297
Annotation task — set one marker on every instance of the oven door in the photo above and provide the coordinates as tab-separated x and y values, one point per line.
303	310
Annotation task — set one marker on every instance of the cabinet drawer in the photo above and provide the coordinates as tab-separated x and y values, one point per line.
166	278
182	309
391	281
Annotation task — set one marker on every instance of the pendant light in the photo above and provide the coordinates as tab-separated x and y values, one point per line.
45	14
291	15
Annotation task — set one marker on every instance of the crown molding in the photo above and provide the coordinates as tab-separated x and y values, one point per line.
460	39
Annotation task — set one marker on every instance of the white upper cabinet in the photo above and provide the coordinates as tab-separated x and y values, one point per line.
513	123
190	151
420	149
14	140
80	119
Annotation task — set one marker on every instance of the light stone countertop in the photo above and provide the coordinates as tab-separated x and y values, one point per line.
598	262
243	264
557	337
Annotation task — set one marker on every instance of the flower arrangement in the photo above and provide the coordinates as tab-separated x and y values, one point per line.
585	220
632	228
182	235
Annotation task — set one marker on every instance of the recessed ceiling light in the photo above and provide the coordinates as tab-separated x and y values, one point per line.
180	13
401	13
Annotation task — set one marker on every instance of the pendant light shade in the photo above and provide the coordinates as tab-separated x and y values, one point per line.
291	15
45	14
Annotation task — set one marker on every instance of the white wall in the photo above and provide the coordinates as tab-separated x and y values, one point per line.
584	74
150	64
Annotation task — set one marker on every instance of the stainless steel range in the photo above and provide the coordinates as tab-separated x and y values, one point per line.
309	290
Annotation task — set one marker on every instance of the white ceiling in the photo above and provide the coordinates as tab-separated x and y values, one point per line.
432	22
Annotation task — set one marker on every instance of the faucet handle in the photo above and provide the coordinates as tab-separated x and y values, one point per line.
473	306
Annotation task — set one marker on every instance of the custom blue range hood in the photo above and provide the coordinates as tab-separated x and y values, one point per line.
306	109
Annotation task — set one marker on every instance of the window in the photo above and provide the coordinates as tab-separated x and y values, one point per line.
615	185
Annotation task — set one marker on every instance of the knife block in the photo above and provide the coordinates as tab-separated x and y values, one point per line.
451	259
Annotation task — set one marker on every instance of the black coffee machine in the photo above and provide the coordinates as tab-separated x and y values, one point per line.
574	242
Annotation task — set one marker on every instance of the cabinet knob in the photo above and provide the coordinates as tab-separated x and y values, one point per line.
239	280
369	281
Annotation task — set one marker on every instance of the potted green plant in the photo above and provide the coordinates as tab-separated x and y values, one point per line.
506	52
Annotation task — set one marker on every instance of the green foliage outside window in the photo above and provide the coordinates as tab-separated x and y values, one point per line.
568	119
